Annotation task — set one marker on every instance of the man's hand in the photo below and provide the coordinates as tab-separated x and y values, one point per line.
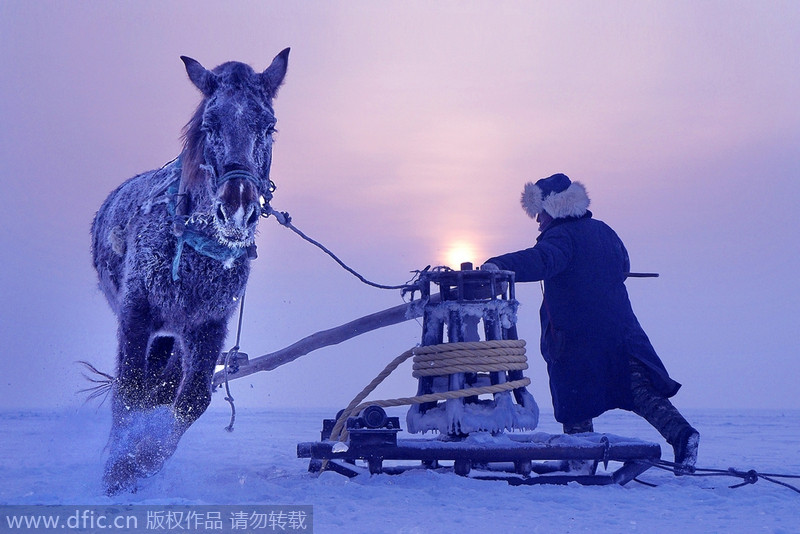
502	287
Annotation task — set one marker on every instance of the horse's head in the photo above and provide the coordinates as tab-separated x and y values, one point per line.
228	145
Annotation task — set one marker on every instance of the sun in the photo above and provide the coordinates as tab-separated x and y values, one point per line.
459	252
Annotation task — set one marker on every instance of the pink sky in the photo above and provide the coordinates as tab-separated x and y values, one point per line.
406	128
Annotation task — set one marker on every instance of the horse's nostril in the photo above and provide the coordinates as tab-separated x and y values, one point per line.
253	219
221	213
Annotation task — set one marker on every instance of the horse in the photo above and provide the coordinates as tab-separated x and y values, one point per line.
172	249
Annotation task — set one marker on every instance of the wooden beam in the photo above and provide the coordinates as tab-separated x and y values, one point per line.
325	338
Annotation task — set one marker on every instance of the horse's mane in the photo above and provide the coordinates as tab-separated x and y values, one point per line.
193	147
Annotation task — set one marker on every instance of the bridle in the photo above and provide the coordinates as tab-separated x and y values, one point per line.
264	193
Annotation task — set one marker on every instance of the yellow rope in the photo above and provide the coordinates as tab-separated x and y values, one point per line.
470	357
443	359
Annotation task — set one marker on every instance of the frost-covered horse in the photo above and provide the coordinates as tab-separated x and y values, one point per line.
172	249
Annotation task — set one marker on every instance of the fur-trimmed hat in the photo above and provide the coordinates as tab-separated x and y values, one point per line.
556	195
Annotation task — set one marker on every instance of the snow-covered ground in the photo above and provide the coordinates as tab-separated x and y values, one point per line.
57	458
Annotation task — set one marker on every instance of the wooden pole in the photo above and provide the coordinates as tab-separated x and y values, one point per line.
325	338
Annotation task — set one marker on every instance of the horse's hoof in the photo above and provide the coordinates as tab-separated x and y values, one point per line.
120	478
114	489
140	448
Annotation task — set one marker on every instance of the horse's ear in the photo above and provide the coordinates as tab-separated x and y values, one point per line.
272	77
201	77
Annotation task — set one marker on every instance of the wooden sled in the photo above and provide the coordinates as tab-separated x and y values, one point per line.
529	458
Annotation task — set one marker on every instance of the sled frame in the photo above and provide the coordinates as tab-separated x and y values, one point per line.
530	458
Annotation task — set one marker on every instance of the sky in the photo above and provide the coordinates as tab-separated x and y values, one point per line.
406	133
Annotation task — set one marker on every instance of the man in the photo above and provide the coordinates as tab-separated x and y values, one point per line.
598	357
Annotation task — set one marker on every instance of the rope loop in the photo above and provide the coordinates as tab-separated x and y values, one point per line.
750	477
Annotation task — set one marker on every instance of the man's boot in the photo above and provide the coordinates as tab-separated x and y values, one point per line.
685	447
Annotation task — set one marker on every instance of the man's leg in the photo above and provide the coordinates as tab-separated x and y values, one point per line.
578	428
580	467
659	412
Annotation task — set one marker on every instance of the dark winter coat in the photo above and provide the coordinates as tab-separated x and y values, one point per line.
589	331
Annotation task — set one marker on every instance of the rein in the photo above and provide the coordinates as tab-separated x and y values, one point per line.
284	219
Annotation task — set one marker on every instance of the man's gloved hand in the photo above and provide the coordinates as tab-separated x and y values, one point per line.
491	267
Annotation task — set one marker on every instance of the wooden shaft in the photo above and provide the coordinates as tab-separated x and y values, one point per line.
324	338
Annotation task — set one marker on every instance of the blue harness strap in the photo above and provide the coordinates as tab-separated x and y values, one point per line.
204	245
201	243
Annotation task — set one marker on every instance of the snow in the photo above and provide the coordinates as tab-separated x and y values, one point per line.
56	457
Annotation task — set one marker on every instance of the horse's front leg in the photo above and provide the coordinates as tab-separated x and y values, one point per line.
129	394
201	349
203	346
164	371
129	399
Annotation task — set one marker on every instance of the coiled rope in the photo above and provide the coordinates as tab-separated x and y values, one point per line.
469	357
446	358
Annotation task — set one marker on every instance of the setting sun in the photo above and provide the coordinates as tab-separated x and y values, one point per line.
459	252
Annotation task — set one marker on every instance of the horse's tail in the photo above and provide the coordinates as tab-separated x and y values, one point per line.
103	382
